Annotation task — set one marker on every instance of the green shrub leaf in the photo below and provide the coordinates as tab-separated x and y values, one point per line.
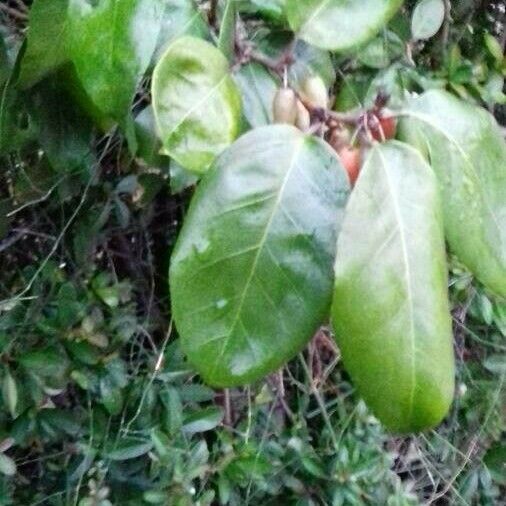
251	276
10	393
428	18
258	88
390	310
7	465
196	103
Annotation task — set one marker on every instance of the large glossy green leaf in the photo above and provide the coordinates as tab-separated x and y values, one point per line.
47	46
339	25
251	275
196	103
111	45
468	153
390	310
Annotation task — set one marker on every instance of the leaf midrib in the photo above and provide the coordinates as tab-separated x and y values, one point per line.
407	280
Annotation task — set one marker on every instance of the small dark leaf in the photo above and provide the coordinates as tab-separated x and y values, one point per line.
7	465
47	46
127	450
202	421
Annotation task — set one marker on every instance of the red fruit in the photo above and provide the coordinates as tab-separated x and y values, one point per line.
350	158
384	128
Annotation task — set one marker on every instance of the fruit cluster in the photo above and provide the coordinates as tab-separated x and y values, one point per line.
309	110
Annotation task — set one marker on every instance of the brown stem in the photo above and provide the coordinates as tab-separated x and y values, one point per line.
445	35
14	12
273	64
213	13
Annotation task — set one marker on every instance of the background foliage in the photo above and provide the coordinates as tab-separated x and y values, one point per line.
99	406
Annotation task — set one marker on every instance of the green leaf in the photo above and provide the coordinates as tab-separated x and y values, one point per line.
181	179
203	420
496	364
111	397
15	133
259	239
5	63
83	351
7	465
310	61
381	50
196	103
129	450
468	153
62	131
47	46
148	143
495	461
196	393
10	393
258	88
49	363
111	45
339	25
173	410
180	17
494	47
61	421
272	10
226	41
390	310
427	19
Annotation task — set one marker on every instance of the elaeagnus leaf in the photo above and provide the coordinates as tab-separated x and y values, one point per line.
390	310
251	275
111	45
467	151
339	25
196	102
258	88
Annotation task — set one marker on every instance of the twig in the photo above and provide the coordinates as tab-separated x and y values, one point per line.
11	11
445	34
9	241
273	64
156	371
22	6
228	410
321	403
213	11
277	65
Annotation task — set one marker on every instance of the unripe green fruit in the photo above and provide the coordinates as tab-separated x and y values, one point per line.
284	106
315	92
303	121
